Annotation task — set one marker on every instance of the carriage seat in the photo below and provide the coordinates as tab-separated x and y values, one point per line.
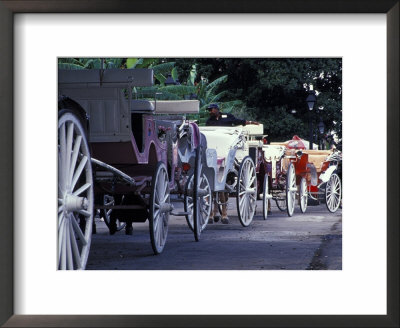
317	152
317	157
139	105
317	161
273	153
220	141
176	106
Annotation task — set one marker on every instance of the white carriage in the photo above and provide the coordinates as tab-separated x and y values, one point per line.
228	168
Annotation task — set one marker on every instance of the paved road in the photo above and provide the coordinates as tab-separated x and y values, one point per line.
310	241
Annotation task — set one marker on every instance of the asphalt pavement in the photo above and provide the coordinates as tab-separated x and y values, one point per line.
305	241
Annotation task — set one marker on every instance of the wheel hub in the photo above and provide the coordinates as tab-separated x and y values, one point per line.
74	203
202	192
166	207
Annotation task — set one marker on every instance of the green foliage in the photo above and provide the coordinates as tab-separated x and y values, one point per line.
264	89
132	62
269	87
90	63
174	74
163	68
192	75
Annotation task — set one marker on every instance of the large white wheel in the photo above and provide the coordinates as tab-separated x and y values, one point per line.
333	193
160	208
266	197
246	191
291	189
108	200
303	195
75	194
204	200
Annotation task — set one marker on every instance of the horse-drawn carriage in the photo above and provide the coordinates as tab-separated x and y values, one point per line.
229	169
124	157
286	170
315	172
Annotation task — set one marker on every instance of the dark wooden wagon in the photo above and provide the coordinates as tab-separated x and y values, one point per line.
123	157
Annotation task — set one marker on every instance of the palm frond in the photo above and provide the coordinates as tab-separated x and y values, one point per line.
214	98
192	75
165	95
211	86
174	74
160	77
180	90
164	68
133	62
233	103
69	66
69	61
146	92
148	63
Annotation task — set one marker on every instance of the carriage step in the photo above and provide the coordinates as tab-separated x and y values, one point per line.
179	213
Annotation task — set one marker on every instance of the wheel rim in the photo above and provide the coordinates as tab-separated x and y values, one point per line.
204	202
303	195
75	194
159	209
266	197
333	193
290	189
281	203
246	192
108	200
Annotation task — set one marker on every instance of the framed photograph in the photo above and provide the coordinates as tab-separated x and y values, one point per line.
35	34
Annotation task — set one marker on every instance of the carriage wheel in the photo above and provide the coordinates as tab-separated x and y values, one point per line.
291	189
281	204
246	191
108	200
266	197
195	191
303	195
75	194
333	193
205	202
160	208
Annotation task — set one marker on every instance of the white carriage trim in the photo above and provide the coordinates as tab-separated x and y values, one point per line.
222	140
139	105
273	152
211	157
176	106
325	176
254	130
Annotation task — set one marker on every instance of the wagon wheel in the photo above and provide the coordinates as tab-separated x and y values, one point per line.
108	200
75	193
303	195
281	204
291	189
196	209
266	197
333	193
246	191
201	197
205	202
159	208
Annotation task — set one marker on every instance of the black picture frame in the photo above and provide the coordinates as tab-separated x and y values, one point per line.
7	10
